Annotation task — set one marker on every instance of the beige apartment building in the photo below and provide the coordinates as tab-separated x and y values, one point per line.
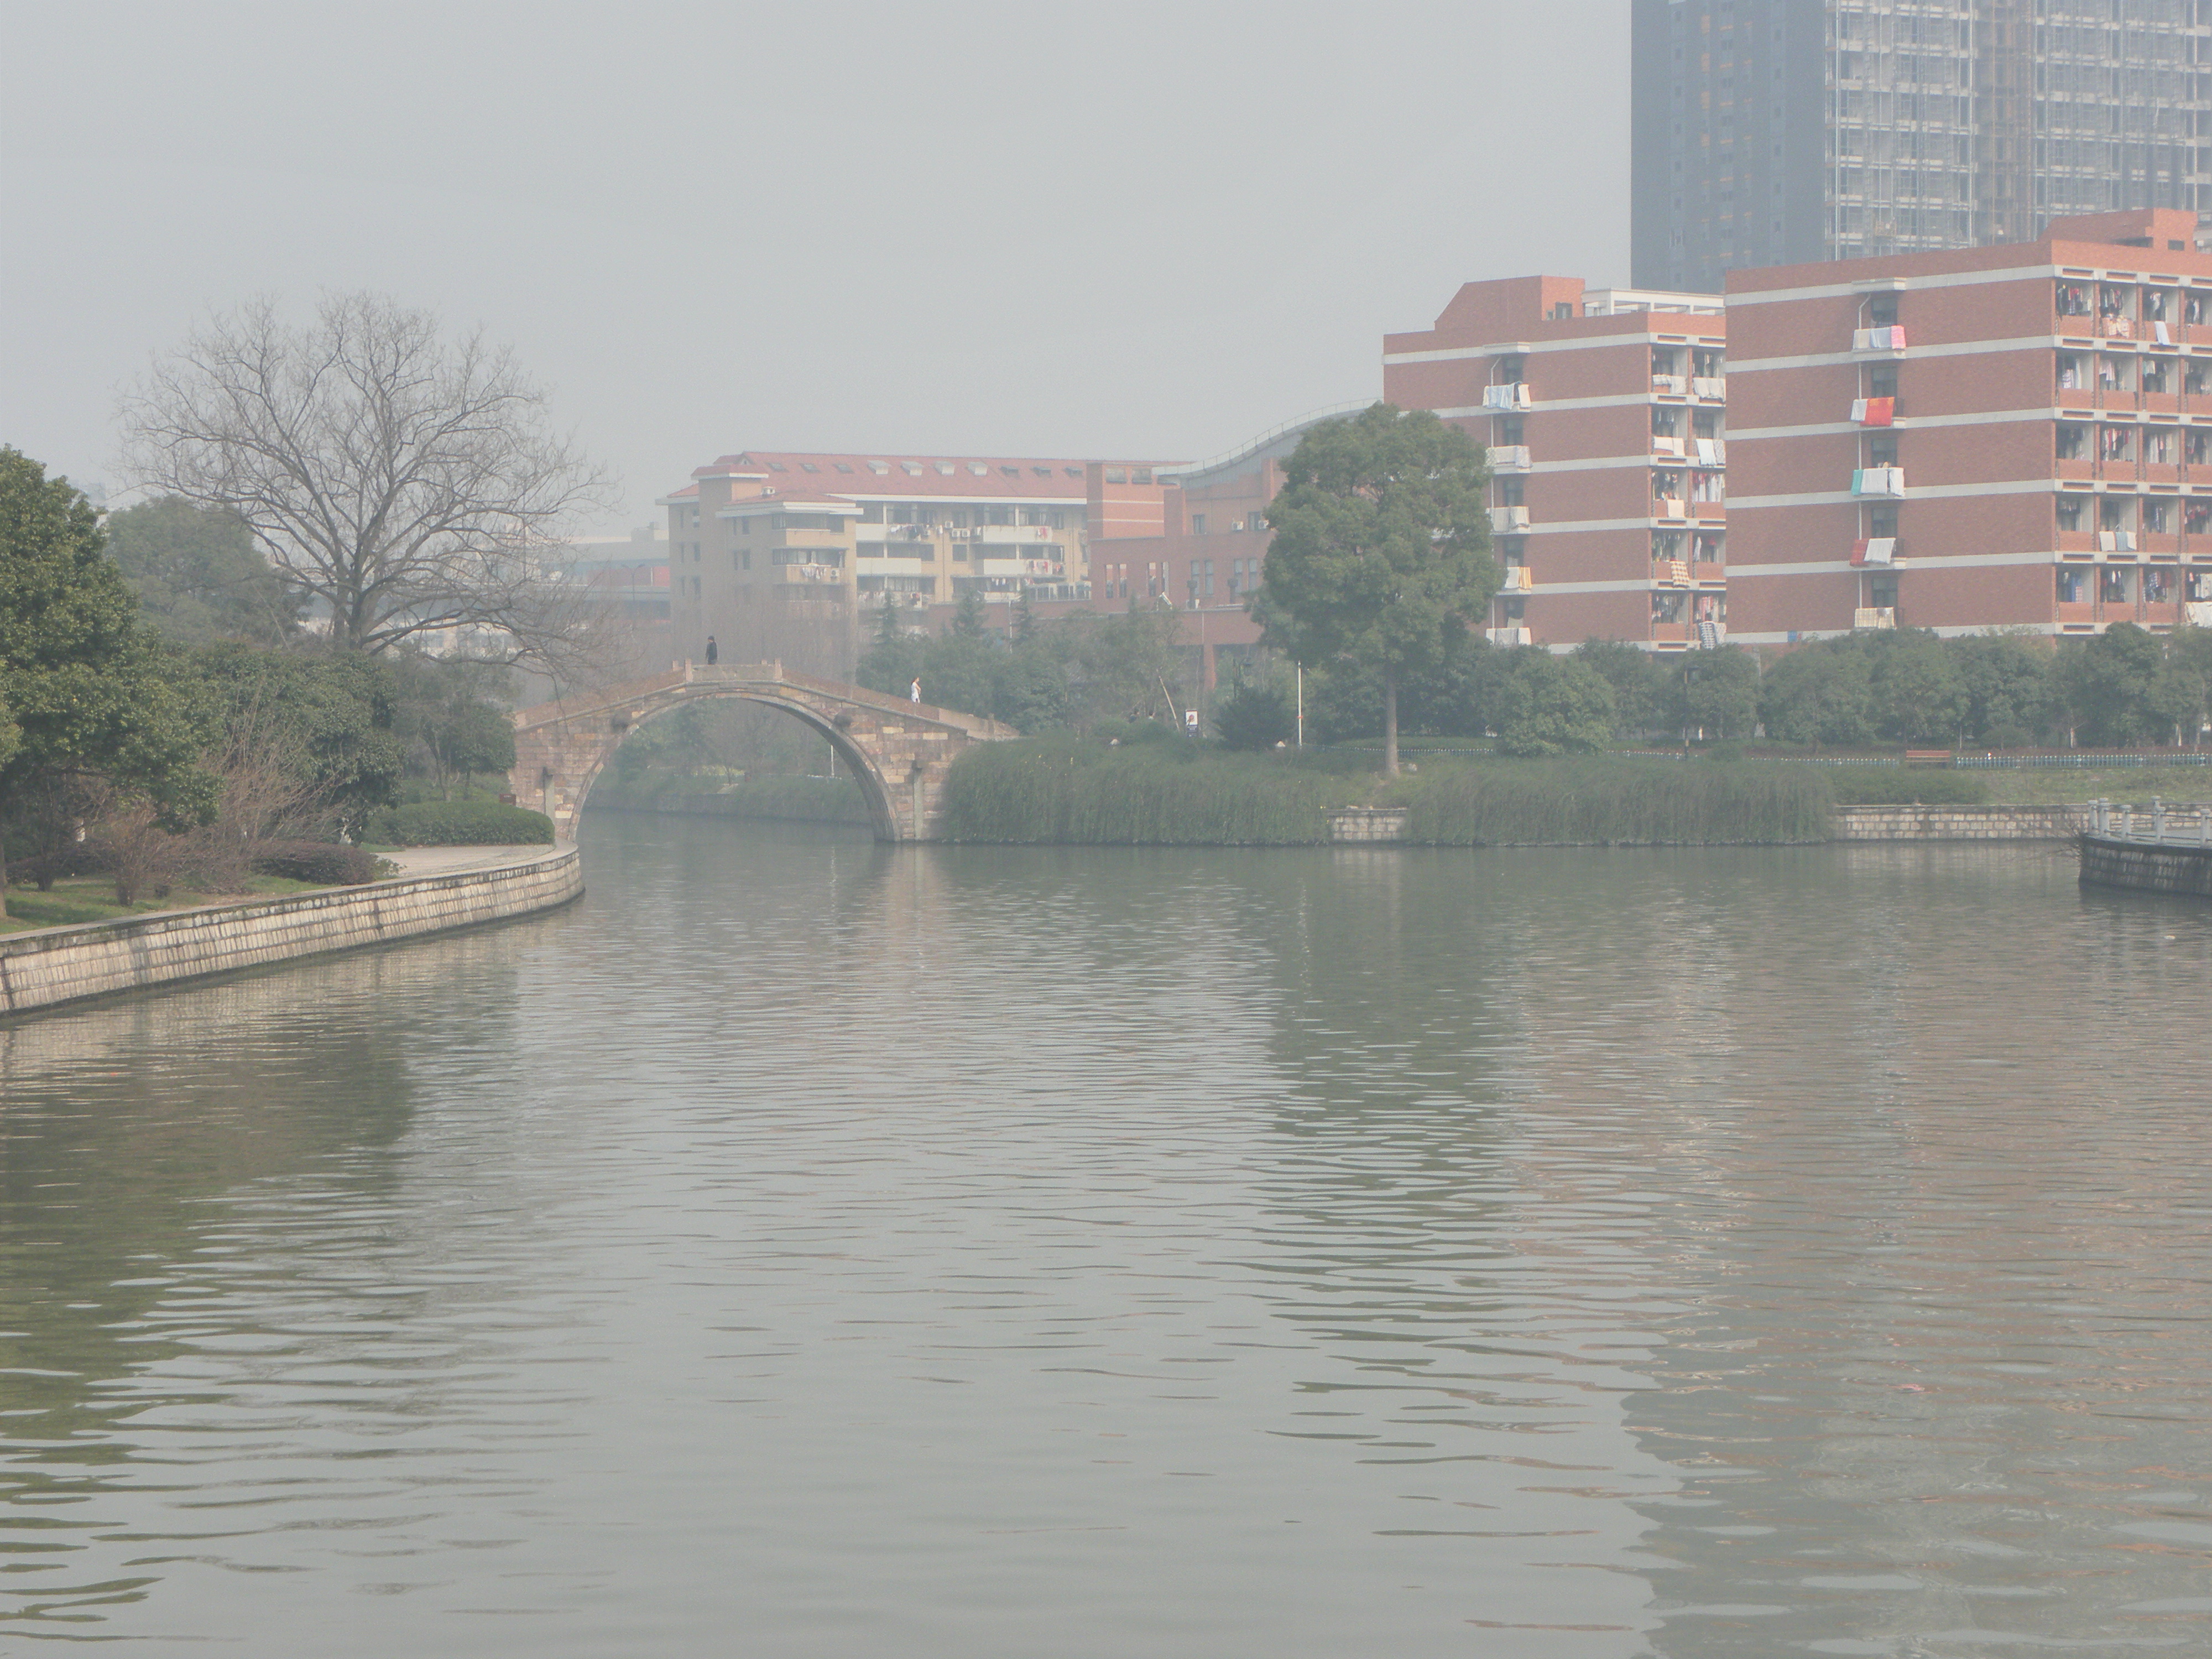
791	555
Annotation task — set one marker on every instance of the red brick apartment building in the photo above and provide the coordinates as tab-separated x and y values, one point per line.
1606	412
1998	437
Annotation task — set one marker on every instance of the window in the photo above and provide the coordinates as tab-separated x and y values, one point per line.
1881	311
1881	520
1513	490
979	469
2158	447
1508	431
1198	524
912	469
2116	372
1882	449
2157	517
2115	443
1882	381
2070	371
843	466
2073	512
2116	512
2116	583
2072	442
2073	587
881	469
2073	299
808	466
2156	375
1042	471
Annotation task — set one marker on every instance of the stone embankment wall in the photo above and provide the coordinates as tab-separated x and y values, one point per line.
61	964
2147	868
1959	823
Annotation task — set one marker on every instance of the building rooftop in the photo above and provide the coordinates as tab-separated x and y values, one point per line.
790	472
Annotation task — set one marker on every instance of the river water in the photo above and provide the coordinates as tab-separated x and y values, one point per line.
801	1248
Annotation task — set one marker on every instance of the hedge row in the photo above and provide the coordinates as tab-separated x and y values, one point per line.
324	864
459	824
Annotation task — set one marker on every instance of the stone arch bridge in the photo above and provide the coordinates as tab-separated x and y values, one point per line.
899	751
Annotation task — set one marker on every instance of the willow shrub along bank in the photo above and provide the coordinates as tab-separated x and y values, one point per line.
1077	792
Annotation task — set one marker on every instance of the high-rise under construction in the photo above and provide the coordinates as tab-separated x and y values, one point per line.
1773	132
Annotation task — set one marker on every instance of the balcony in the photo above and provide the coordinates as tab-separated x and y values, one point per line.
1881	342
1517	580
1885	482
1709	452
1871	616
1508	457
1670	386
1504	519
1670	572
1666	443
1876	551
1874	411
1670	633
1713	388
1670	506
2116	541
1709	570
2076	613
1516	636
1510	397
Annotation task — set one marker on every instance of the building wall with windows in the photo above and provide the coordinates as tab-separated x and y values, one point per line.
2008	437
789	554
1774	132
1606	415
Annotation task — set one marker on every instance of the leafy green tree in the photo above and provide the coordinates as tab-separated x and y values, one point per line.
447	708
1639	684
2189	669
1818	694
2008	684
1127	667
971	618
328	720
2116	687
1030	690
1381	548
1025	620
893	659
1549	705
1918	693
197	573
961	670
1257	714
1714	691
91	694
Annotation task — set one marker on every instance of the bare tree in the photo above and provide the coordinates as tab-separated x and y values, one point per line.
409	484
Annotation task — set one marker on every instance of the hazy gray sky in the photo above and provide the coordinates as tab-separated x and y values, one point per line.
1135	229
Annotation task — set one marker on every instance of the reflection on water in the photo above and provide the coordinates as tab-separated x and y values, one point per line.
803	1248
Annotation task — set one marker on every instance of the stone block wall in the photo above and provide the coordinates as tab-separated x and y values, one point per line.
2183	871
1959	823
61	964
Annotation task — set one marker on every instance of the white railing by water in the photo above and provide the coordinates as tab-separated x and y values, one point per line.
2159	826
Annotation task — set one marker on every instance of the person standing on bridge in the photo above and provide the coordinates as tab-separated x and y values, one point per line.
914	691
713	651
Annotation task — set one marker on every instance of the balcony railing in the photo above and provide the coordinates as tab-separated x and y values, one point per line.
1508	457
1511	396
1880	616
1711	387
1886	341
1884	481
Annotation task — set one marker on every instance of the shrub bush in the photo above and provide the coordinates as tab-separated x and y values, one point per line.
322	863
1614	801
461	824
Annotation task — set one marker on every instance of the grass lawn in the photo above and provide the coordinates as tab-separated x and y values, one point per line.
2063	786
91	898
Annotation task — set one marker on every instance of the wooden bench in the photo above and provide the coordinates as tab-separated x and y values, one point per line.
1927	757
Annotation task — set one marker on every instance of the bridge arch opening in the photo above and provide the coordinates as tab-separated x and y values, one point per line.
836	730
899	751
